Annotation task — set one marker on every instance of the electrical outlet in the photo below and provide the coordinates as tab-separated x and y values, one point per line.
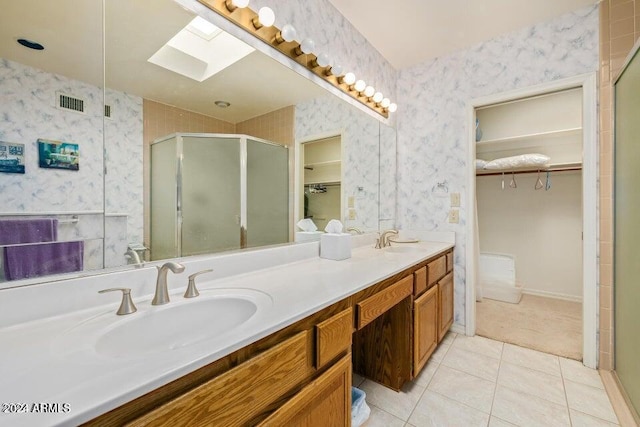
352	214
455	200
351	202
454	216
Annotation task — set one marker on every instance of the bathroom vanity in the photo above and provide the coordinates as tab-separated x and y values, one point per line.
381	313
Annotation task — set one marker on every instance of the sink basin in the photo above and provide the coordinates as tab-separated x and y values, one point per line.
178	324
402	249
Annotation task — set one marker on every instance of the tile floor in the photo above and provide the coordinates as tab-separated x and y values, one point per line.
476	381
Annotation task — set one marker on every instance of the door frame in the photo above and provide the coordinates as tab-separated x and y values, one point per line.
588	83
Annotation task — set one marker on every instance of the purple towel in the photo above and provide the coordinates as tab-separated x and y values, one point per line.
16	231
22	262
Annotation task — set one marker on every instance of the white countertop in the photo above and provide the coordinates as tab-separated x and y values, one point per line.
53	360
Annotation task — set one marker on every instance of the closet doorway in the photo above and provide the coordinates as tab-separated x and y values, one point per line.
531	259
322	180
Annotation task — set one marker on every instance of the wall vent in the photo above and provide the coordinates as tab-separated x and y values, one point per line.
107	111
70	102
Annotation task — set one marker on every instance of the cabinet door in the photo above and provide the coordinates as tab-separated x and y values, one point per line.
425	328
326	402
445	305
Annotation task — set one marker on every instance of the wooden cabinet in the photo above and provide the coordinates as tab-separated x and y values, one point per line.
326	402
436	269
445	305
240	394
425	328
333	336
420	281
373	307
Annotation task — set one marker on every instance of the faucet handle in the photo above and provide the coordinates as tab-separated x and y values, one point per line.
126	306
192	291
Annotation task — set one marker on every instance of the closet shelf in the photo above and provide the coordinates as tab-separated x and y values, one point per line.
499	142
557	167
318	164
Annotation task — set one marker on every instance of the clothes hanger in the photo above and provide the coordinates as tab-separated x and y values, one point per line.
539	184
513	183
547	186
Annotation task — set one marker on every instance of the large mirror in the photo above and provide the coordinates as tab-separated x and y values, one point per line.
192	147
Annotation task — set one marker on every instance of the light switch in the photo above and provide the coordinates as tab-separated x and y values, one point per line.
351	202
352	214
455	200
454	216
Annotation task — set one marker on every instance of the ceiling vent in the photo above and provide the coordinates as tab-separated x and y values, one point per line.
69	102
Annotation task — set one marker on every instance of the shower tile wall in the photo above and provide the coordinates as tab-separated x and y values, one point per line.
432	144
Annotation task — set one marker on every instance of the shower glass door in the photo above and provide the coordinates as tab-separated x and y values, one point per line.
210	189
267	206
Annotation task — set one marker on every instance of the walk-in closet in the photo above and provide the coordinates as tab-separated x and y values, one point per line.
529	222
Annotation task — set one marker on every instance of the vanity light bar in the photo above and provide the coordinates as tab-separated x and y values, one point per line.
272	35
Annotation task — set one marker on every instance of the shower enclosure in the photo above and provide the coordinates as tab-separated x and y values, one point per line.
217	192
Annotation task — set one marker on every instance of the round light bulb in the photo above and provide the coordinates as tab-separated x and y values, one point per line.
234	4
385	102
349	79
323	60
369	91
288	33
266	16
360	85
377	97
392	107
307	46
337	70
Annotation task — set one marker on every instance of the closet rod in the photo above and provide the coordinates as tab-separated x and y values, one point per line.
509	172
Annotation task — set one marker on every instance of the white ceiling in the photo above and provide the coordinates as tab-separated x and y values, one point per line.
407	32
71	32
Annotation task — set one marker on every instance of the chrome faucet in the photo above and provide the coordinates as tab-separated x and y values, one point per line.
383	240
162	293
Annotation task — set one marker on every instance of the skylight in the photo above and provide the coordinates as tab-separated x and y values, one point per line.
200	50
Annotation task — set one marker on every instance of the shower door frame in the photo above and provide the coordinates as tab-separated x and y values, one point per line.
242	141
588	84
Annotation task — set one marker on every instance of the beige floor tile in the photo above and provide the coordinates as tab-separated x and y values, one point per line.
356	380
497	422
464	388
576	372
536	383
425	375
578	419
400	404
380	418
590	400
480	345
472	363
532	359
526	410
433	409
448	338
440	352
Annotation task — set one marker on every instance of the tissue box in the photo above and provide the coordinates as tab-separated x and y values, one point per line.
335	246
308	236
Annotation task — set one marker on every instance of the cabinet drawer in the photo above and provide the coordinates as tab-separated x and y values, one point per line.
436	269
324	402
449	262
420	281
376	305
333	336
240	394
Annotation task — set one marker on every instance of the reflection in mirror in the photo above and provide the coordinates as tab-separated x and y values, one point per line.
106	205
388	177
51	139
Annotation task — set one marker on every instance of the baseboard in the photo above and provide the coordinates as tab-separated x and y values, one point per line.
627	416
458	329
548	294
